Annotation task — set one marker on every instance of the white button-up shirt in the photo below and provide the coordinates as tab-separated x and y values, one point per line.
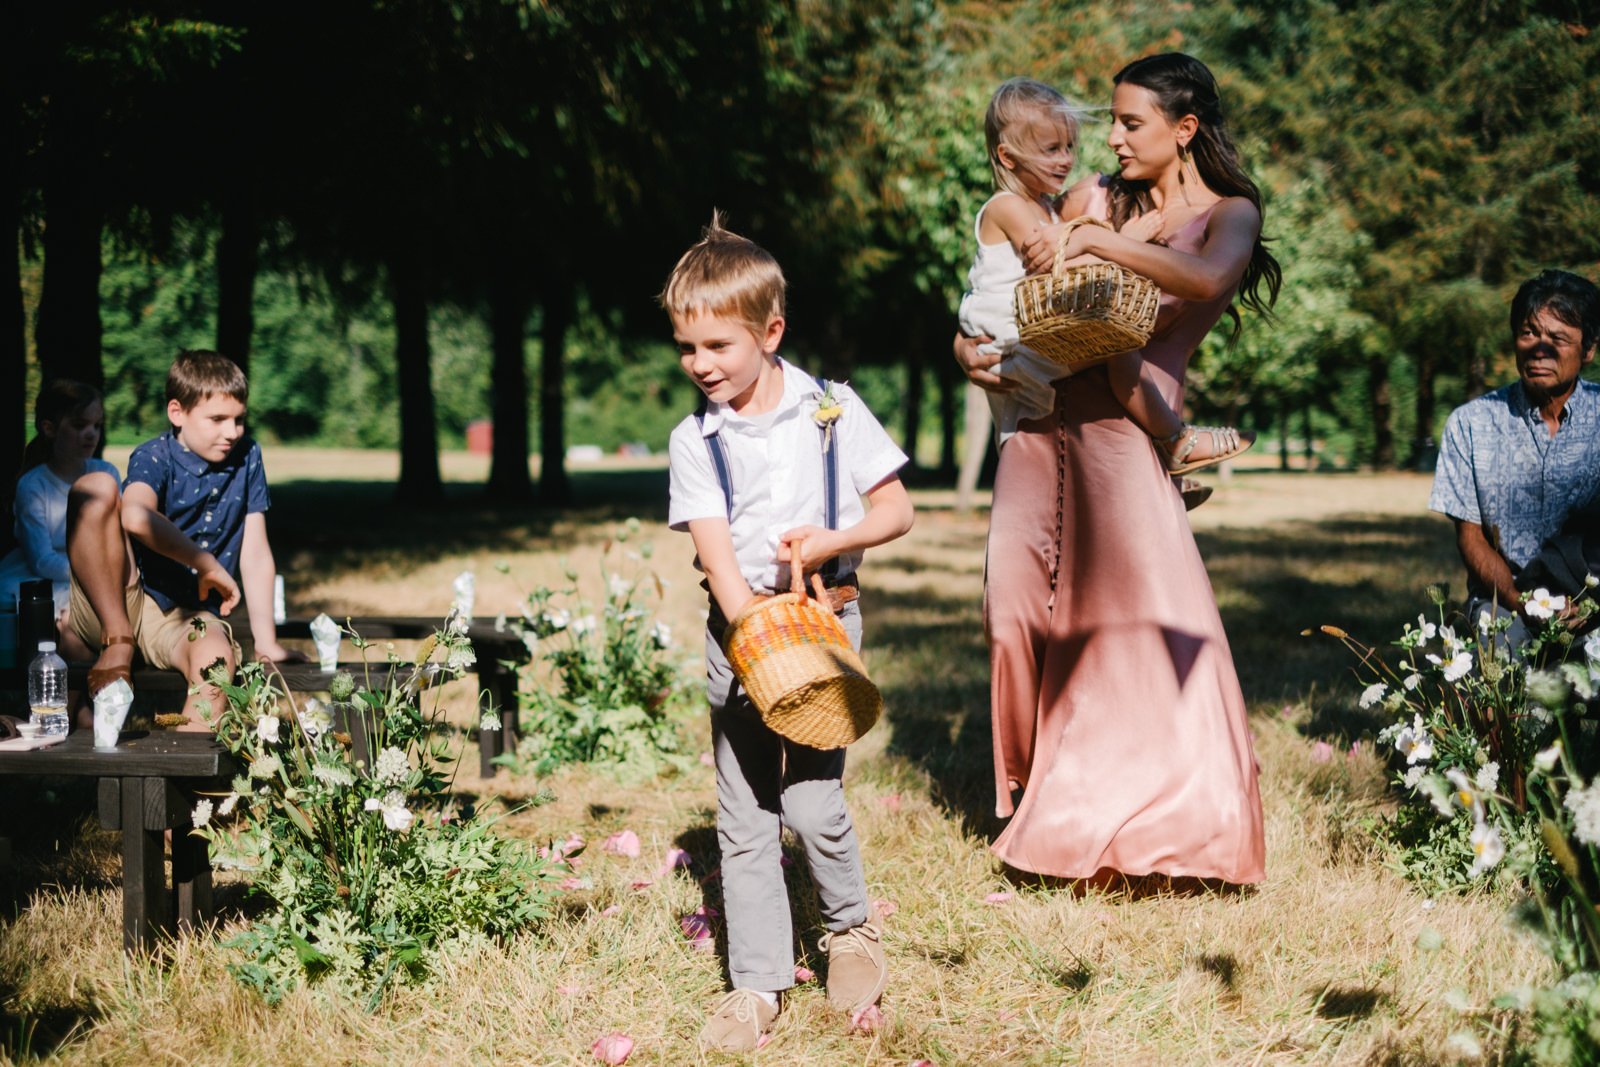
776	465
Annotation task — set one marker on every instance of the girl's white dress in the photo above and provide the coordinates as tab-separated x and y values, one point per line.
41	528
987	308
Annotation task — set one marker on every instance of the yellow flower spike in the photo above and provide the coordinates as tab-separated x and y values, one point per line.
1560	851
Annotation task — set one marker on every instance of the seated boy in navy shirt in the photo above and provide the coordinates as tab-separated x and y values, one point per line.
154	565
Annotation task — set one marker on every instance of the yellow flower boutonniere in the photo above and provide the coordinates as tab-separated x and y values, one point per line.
828	411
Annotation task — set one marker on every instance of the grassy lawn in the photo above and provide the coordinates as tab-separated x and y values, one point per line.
1321	964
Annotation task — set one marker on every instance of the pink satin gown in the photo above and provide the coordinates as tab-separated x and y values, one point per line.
1116	707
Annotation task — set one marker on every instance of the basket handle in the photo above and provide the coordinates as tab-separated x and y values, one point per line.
797	581
1061	248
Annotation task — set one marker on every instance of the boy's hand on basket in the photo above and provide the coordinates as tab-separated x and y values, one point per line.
813	544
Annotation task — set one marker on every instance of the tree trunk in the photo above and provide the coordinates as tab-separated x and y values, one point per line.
1378	404
1283	435
68	334
554	489
1422	437
948	391
509	304
236	277
913	409
1310	442
419	438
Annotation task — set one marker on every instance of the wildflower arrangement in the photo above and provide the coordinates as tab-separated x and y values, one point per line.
1500	773
602	689
371	871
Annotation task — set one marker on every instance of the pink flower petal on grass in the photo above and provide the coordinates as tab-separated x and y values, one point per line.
613	1048
569	990
573	845
997	899
885	908
573	884
707	759
804	974
639	885
1321	752
614	909
622	843
921	1063
892	801
697	927
676	857
868	1020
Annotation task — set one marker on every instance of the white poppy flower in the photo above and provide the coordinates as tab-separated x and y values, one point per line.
1411	681
583	625
662	635
1547	758
1465	793
1414	742
618	586
1426	628
267	729
1487	847
393	806
1458	666
558	619
1541	604
1591	647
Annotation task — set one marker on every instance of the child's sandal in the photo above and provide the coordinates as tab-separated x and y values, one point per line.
100	677
1226	443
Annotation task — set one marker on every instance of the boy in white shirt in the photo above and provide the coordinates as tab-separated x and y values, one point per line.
748	483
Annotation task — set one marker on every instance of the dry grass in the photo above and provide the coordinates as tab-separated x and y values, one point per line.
1320	965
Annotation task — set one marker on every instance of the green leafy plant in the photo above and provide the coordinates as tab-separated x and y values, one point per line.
371	868
601	688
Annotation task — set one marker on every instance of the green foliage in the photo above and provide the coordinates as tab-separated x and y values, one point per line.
371	870
601	690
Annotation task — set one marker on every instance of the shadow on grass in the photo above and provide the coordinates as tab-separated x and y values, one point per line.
1366	575
332	526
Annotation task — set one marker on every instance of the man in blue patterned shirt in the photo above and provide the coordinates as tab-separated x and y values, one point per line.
1516	461
154	566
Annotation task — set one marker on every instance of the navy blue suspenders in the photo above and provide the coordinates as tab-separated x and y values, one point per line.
830	481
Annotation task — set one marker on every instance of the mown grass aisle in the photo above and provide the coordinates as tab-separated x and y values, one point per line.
1333	960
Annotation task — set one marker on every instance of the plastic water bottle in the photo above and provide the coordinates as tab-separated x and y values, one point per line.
47	689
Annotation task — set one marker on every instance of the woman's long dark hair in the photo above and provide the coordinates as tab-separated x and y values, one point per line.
59	399
1182	85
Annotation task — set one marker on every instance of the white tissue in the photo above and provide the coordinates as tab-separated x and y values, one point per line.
325	634
111	706
466	589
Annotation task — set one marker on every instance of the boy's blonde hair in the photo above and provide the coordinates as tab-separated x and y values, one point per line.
726	275
1012	106
199	373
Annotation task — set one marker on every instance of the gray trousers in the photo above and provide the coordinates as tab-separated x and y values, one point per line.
765	783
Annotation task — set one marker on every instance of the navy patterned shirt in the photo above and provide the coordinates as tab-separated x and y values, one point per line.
207	502
1499	466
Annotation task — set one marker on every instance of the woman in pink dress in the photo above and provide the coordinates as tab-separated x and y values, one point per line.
1117	713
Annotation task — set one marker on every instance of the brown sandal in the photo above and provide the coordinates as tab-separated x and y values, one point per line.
1194	493
100	677
1226	443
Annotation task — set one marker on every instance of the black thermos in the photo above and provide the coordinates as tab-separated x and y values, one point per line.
36	619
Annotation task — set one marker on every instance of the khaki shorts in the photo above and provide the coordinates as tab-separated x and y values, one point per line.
156	633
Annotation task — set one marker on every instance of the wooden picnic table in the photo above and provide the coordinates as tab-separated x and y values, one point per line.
147	786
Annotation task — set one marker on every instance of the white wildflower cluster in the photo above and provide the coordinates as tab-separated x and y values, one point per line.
559	619
1584	803
265	766
1488	777
489	721
618	586
584	625
202	813
391	767
1372	694
461	658
334	774
662	635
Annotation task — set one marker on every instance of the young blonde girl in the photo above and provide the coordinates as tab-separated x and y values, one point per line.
1031	132
69	420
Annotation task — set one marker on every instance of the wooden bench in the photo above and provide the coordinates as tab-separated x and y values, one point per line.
498	656
148	785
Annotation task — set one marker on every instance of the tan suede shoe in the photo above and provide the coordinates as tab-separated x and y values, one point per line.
857	969
738	1021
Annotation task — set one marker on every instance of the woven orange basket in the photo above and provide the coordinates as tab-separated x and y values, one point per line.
1082	315
794	659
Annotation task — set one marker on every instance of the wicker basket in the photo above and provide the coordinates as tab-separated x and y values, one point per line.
1079	316
794	659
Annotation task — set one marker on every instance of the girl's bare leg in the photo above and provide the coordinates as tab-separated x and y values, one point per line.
1183	447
